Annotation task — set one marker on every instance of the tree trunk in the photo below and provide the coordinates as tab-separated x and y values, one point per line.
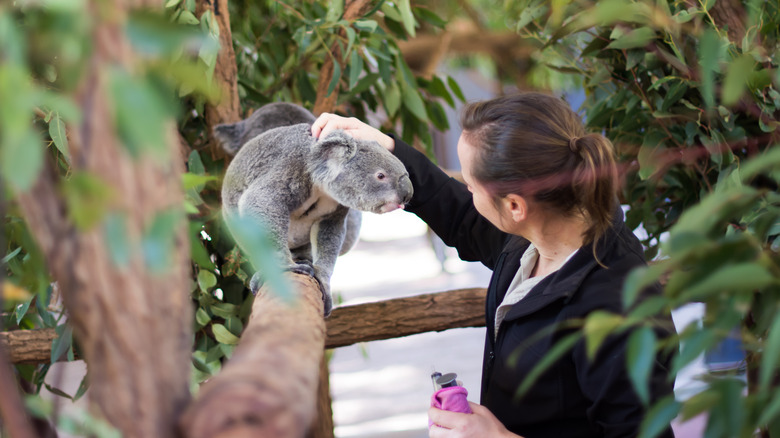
353	9
132	322
268	388
228	108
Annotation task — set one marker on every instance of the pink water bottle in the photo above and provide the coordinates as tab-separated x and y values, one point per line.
450	396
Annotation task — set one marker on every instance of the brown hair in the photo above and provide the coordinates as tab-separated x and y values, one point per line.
533	144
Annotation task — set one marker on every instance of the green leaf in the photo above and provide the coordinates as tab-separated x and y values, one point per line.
640	357
141	111
206	280
59	136
392	99
187	17
116	237
21	159
735	82
62	343
202	317
365	25
636	38
407	18
430	17
413	101
659	417
335	79
157	244
556	352
742	277
709	60
714	210
651	154
355	68
193	181
335	10
258	247
223	335
88	198
455	88
771	356
598	326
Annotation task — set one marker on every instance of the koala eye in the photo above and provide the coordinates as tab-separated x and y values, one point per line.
380	176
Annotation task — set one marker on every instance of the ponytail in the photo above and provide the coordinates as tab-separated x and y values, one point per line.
595	183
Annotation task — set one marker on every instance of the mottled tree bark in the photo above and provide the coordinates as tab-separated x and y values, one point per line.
353	9
132	322
228	108
269	387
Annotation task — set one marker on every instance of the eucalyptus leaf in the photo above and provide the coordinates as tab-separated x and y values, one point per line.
640	356
223	335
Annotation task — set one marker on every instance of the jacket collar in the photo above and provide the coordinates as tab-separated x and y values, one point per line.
564	283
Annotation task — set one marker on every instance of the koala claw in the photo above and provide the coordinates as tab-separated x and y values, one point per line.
256	283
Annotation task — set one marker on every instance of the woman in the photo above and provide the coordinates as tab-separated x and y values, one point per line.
539	208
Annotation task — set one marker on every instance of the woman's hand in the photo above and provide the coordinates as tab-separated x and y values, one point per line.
327	122
480	423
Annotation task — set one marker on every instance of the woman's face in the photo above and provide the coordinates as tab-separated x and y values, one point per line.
483	200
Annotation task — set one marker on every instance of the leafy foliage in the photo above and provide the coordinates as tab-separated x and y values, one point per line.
693	114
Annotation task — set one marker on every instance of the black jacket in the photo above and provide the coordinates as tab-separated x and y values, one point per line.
575	397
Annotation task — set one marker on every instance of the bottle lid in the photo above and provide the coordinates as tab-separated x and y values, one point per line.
447	380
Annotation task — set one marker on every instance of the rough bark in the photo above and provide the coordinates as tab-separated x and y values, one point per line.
730	14
228	108
28	346
353	10
132	323
322	427
347	325
268	388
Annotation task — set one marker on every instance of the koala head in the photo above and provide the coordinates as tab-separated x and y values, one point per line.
360	174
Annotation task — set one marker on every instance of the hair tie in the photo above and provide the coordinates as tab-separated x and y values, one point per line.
573	145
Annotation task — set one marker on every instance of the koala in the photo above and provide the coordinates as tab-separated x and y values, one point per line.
308	192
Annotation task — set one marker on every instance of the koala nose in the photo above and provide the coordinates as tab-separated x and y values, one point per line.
405	190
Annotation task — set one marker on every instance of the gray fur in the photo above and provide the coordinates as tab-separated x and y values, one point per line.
308	192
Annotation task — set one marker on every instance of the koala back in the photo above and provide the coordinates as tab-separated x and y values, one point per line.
232	136
271	164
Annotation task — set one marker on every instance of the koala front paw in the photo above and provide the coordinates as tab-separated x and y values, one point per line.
327	299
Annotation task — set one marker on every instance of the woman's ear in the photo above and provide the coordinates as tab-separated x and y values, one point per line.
516	206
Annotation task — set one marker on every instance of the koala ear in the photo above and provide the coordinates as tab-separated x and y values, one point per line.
337	145
228	135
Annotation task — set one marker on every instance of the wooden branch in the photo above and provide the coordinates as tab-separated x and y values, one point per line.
406	316
228	108
269	387
423	52
347	325
353	9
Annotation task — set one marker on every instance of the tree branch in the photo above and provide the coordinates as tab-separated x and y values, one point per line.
268	388
347	325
